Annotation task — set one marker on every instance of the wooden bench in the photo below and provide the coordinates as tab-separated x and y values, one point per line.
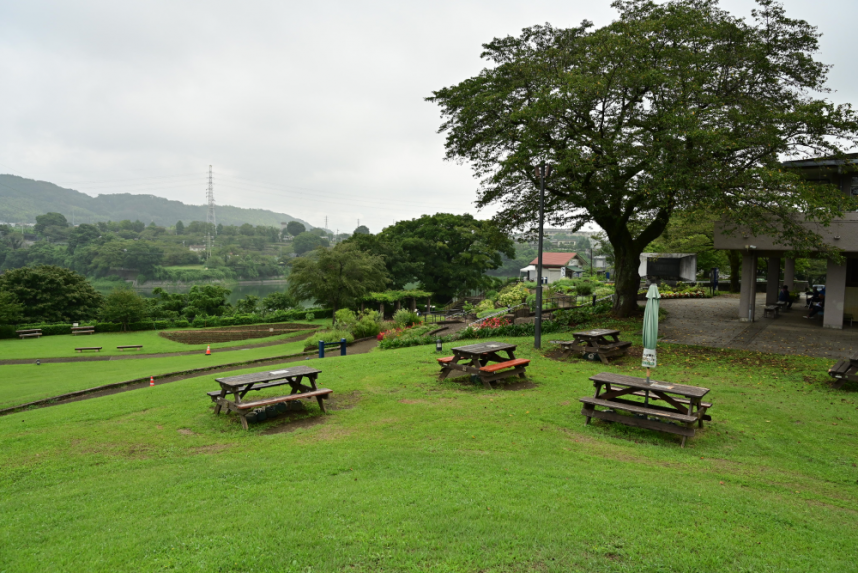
446	360
130	347
243	408
82	348
83	330
29	333
498	366
216	394
772	310
782	305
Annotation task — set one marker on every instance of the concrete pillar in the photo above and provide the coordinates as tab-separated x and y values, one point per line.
773	279
835	295
748	292
789	273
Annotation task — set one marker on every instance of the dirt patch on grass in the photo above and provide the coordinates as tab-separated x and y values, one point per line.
233	333
407	401
294	421
516	386
343	400
187	432
210	449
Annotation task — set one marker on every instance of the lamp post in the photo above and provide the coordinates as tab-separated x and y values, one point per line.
542	172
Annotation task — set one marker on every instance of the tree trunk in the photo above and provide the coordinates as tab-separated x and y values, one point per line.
626	280
735	258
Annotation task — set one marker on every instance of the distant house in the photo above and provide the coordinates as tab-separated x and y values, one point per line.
555	266
197	248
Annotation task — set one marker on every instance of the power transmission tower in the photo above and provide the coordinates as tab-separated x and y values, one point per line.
211	220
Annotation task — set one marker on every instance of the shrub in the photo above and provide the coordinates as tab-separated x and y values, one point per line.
405	318
310	316
312	341
584	289
512	295
485	305
365	327
181	324
345	318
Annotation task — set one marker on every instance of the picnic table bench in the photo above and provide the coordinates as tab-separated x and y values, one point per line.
599	343
129	347
83	330
683	404
82	348
845	371
772	310
483	361
29	333
239	386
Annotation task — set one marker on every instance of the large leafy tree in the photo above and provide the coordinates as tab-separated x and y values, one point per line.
337	276
123	306
52	294
295	228
207	300
400	268
11	311
307	241
677	105
53	226
450	254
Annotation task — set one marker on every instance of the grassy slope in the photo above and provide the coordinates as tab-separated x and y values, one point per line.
24	383
61	346
429	476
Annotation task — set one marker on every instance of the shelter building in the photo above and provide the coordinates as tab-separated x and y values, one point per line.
841	285
555	266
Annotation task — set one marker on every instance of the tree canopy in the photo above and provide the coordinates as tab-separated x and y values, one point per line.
677	105
339	276
51	294
361	230
448	254
124	306
295	228
307	241
11	311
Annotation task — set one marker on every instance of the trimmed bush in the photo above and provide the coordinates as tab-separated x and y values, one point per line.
405	318
312	341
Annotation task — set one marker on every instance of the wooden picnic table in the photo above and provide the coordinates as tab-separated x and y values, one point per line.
683	404
845	370
477	360
599	343
239	386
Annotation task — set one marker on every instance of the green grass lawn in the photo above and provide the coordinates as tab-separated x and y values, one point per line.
411	474
64	345
22	383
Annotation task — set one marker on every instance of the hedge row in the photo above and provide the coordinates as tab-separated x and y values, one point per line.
199	322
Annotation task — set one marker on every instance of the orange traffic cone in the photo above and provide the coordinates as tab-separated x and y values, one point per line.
151	380
208	350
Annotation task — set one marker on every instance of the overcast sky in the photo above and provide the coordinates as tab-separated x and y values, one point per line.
310	108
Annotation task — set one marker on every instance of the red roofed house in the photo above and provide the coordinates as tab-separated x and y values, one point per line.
555	266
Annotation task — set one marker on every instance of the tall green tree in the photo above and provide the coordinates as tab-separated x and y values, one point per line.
278	301
306	242
400	268
11	311
674	106
52	294
83	234
180	228
123	306
52	226
295	228
207	300
338	276
450	253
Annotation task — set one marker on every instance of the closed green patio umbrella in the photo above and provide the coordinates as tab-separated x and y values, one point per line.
650	329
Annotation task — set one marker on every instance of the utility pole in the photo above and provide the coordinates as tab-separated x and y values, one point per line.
541	172
211	221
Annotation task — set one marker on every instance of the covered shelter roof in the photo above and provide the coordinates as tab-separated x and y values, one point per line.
555	259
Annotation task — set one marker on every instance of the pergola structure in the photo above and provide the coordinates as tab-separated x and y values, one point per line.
841	285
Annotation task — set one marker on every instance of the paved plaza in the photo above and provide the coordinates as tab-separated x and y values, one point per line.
715	322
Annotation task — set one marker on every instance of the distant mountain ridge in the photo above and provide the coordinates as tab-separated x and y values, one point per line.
21	200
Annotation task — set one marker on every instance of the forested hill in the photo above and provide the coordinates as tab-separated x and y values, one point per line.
21	200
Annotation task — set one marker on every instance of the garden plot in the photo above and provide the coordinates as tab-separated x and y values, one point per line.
233	333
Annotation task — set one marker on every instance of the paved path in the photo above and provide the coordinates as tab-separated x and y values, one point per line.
715	322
